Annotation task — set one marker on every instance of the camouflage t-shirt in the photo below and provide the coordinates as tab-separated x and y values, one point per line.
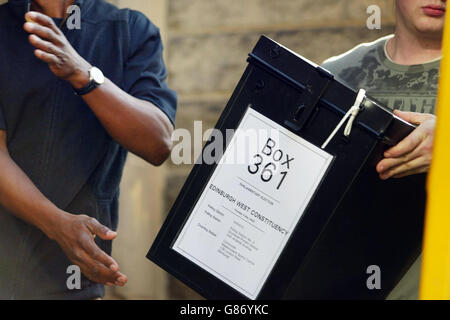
407	88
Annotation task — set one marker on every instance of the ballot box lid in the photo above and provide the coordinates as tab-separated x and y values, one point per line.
309	77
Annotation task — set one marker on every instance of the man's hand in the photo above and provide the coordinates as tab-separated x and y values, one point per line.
413	154
53	48
75	234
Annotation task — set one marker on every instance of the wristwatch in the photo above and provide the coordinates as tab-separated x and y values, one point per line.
96	79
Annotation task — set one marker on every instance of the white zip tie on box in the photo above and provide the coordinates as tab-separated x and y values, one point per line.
352	113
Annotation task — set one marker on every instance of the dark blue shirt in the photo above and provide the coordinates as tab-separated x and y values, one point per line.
58	142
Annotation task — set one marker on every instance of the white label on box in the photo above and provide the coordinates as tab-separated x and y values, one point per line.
249	209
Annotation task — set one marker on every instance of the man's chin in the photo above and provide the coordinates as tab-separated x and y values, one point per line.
430	27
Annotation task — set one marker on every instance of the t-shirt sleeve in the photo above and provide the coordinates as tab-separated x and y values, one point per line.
145	72
335	65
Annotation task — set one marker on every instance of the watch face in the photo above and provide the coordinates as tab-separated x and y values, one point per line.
97	75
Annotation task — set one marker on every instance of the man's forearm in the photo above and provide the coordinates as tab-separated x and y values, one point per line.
21	197
137	125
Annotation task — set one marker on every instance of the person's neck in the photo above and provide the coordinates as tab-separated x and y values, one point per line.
52	8
406	48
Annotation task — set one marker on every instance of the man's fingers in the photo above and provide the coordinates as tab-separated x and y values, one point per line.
412	172
43	45
42	19
412	117
46	57
414	165
406	145
43	32
99	273
100	230
389	163
99	255
94	270
97	265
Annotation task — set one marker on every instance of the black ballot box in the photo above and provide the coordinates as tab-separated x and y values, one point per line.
305	214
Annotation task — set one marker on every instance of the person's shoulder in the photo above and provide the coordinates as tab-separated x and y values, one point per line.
139	22
141	29
351	57
102	10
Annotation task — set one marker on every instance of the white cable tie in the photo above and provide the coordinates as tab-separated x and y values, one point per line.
352	113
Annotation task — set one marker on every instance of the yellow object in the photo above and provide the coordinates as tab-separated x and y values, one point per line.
29	20
435	279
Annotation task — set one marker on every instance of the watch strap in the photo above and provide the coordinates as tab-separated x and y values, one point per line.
87	89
